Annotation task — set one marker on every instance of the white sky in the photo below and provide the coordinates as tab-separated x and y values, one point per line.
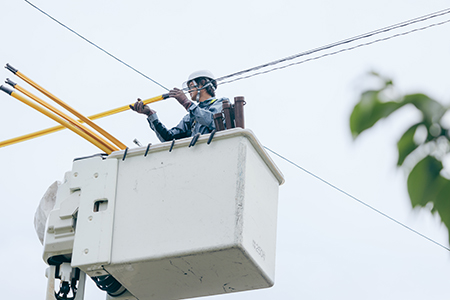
329	246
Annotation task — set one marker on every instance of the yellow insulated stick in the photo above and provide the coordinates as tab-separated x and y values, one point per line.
56	118
39	133
63	115
66	106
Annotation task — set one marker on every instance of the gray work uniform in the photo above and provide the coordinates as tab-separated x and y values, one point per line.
198	120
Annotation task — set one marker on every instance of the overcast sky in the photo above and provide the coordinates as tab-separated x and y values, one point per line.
328	246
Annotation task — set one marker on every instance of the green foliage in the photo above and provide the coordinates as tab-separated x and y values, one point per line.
426	185
406	144
424	181
368	111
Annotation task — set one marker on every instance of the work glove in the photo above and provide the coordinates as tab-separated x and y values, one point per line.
181	97
139	107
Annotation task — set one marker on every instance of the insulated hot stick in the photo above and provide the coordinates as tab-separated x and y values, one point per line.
61	121
93	117
66	106
63	115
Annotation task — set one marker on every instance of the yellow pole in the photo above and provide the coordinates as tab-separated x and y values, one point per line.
59	120
126	107
67	107
36	134
65	117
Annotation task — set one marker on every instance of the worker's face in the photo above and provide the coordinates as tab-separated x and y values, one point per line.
192	90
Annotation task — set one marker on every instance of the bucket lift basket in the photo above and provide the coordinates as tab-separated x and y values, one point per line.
189	222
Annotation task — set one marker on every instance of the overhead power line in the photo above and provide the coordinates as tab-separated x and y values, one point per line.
346	41
335	52
356	199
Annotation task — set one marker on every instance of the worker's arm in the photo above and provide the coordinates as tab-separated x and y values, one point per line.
182	130
163	134
203	115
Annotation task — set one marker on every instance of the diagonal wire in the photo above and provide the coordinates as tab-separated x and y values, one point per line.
335	52
356	199
95	45
346	41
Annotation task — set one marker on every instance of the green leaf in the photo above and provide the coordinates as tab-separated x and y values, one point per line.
426	185
368	111
406	144
442	202
424	181
432	110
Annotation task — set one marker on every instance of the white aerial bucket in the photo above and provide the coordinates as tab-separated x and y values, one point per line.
191	222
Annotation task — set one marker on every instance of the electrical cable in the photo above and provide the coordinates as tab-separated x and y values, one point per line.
342	42
356	199
336	52
323	55
95	45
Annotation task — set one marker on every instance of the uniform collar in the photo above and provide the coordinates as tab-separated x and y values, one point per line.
207	102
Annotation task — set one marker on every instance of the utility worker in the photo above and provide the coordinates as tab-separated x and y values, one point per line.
202	86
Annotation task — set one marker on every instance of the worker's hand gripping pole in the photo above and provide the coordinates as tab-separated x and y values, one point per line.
63	115
127	107
55	118
66	106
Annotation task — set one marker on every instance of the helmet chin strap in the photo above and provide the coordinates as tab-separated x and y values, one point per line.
198	95
197	98
209	83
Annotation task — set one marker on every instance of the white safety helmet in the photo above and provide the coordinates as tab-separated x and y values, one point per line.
198	74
